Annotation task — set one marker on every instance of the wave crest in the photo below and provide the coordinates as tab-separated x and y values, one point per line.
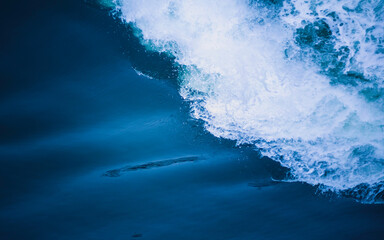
279	76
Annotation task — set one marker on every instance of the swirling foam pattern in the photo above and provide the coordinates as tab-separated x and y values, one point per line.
300	80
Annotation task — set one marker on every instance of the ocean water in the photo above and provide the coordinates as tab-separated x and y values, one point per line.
191	120
302	81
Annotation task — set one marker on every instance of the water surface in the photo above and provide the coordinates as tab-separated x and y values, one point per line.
73	110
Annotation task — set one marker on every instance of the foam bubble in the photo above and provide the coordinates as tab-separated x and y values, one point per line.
356	24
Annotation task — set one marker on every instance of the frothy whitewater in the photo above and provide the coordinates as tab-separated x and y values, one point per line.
300	80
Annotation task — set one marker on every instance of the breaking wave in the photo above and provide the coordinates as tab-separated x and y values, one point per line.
300	80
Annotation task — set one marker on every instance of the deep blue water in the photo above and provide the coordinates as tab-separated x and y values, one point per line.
73	110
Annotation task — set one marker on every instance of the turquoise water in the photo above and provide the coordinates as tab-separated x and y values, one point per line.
90	149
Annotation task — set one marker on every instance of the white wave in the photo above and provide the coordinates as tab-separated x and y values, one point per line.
356	24
242	85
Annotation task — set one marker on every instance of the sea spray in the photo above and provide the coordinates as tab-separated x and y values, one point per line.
301	81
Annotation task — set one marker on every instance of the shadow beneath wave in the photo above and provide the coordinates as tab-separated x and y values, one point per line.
145	166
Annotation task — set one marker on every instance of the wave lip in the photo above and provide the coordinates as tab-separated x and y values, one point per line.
280	77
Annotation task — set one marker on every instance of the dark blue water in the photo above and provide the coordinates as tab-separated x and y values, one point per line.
91	150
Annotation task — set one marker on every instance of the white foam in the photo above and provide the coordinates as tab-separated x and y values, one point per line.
142	74
358	25
241	84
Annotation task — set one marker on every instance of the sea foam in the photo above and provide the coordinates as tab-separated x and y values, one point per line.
300	80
